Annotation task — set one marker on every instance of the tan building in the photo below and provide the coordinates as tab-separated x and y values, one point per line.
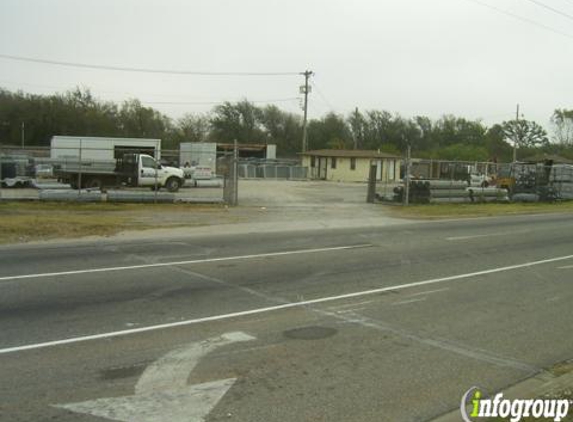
350	165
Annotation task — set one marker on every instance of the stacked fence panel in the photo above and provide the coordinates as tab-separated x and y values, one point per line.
562	177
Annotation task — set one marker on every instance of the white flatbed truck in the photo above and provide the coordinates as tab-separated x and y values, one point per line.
132	170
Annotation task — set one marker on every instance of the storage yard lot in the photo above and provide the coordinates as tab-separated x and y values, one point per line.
269	203
264	205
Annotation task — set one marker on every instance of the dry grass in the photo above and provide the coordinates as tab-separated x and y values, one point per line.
27	221
437	211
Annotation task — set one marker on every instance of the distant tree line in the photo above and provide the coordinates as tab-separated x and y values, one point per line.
77	112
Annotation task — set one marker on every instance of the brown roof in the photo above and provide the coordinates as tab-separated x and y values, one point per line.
542	157
354	153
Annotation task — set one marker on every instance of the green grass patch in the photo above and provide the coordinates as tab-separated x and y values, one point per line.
437	211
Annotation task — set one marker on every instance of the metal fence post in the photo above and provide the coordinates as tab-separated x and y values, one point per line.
236	174
156	188
407	178
80	171
1	178
372	183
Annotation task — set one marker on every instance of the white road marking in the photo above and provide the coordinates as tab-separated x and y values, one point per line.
477	236
162	392
347	311
190	262
406	302
567	267
281	306
350	305
460	349
429	292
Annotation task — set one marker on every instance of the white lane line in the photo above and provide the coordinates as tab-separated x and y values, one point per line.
350	305
429	292
567	267
349	311
195	261
279	307
406	302
477	236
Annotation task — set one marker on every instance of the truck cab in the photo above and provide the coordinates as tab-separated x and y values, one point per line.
143	170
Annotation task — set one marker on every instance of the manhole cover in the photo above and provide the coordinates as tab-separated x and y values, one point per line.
122	372
310	333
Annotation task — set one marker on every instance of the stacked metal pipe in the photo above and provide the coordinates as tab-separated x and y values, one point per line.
448	191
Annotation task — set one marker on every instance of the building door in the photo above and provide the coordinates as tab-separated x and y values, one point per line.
379	170
322	167
391	176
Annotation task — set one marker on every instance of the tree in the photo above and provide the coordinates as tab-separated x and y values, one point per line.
193	128
356	124
464	152
525	133
144	122
240	121
562	122
498	149
282	128
330	132
450	130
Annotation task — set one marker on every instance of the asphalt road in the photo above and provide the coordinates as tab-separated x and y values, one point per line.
382	324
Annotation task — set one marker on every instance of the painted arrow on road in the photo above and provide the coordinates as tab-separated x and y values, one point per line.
162	393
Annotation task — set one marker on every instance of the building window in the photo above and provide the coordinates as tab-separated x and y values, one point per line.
353	164
312	161
333	163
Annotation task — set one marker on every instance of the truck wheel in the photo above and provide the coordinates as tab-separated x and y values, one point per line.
95	183
173	184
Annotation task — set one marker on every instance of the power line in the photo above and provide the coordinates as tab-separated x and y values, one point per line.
98	92
142	70
554	10
321	95
276	100
530	21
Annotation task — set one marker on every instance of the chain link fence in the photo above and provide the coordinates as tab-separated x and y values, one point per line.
272	169
433	181
118	173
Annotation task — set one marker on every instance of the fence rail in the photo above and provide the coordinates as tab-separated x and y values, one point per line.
71	171
464	182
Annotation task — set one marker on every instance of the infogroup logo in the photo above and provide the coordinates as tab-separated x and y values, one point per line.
515	410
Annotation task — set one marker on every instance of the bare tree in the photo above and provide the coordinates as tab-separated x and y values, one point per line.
562	122
525	133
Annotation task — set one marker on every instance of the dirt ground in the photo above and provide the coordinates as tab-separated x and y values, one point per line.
263	205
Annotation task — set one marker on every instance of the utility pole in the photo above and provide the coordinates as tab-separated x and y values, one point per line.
406	199
1	178
516	134
23	133
305	89
354	134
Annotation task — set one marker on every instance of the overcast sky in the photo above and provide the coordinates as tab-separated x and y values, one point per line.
414	57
